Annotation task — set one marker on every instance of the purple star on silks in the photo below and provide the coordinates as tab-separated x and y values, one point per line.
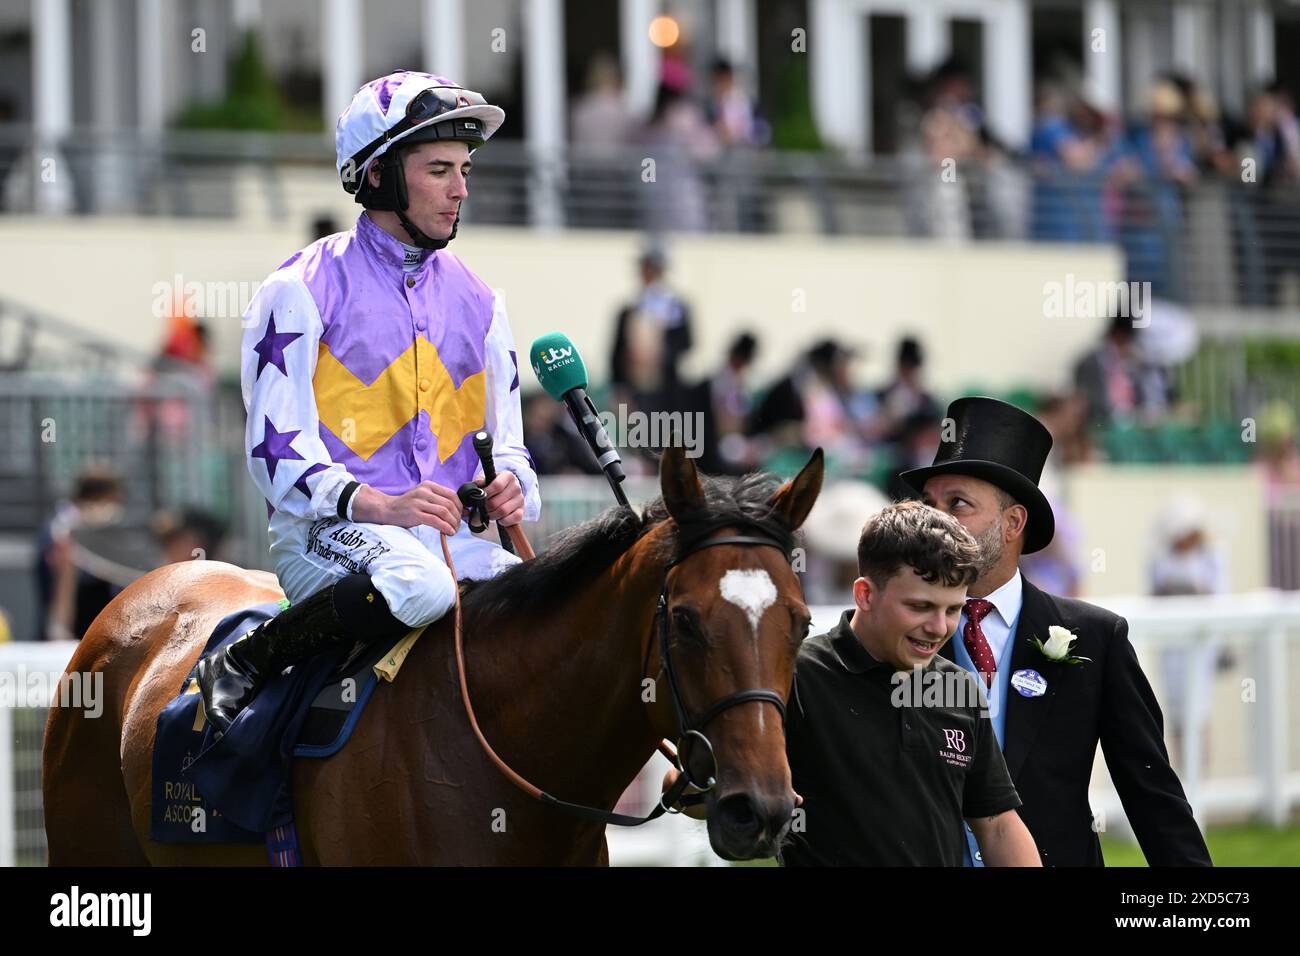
276	447
270	351
514	360
301	483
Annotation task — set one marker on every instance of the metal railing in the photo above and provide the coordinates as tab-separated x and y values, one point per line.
1218	241
1252	770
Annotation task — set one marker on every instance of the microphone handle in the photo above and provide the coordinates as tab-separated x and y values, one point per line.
593	432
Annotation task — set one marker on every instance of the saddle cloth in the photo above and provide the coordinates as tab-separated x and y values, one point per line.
237	789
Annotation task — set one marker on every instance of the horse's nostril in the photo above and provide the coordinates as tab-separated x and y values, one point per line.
737	813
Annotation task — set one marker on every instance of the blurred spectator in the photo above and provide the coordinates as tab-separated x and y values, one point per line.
192	534
1108	376
950	138
906	396
723	401
1278	457
552	439
678	138
815	405
1164	166
601	194
1071	154
651	335
599	120
917	442
730	393
1184	561
730	111
1278	461
71	597
1065	416
740	201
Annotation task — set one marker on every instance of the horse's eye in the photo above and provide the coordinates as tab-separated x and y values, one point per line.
687	625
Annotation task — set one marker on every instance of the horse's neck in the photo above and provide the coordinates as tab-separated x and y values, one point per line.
573	679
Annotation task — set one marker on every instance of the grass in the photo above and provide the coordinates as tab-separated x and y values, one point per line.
1229	846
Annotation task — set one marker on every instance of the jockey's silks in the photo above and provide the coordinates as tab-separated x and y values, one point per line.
357	366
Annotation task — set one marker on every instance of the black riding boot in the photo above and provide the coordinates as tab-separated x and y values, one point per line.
332	617
231	678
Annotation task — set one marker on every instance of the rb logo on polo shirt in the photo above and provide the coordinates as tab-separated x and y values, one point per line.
956	739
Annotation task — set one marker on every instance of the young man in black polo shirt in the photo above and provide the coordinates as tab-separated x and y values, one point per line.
887	768
890	745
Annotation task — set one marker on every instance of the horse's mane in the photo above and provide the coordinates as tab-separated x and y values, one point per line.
580	553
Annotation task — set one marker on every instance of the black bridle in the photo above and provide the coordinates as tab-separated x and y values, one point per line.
692	737
692	740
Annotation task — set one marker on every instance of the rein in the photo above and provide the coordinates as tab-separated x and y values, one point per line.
690	744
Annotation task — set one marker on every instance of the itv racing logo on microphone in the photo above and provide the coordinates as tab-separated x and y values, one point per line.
553	358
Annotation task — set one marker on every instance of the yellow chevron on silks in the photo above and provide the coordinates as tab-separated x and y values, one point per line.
363	416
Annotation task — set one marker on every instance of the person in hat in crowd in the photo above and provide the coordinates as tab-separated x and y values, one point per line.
651	334
370	360
1053	696
1186	560
884	774
906	400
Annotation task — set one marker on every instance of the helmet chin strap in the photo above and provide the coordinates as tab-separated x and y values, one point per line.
418	238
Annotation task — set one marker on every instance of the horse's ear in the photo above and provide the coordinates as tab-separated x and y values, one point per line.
795	498
679	482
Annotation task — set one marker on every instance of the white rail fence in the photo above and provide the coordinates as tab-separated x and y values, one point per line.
1223	669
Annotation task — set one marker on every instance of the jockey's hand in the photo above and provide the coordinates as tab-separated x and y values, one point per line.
427	503
505	498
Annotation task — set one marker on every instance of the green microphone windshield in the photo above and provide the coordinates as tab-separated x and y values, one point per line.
558	366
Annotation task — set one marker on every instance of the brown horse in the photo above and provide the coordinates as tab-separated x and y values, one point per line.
560	672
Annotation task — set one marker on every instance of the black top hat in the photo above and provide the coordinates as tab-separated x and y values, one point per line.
1004	446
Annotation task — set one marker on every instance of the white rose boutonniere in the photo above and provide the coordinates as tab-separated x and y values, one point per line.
1057	648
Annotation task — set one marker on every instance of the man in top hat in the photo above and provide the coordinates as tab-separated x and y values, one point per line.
1049	714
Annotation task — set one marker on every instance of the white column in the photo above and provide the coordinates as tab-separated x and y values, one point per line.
738	40
1008	71
639	57
443	26
543	101
1102	54
341	59
110	160
149	48
928	37
1140	53
1192	51
1259	37
1229	51
52	106
838	76
246	14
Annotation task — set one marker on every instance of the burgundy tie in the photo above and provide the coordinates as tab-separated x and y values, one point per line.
977	645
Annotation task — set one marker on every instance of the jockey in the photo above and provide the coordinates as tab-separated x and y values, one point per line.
370	360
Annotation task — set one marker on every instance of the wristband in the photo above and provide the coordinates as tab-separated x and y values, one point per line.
345	500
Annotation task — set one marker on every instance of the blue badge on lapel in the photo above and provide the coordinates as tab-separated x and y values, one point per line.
1029	683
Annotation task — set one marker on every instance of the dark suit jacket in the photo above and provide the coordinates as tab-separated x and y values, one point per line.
1050	742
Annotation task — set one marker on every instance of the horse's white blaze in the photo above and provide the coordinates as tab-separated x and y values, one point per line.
752	591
